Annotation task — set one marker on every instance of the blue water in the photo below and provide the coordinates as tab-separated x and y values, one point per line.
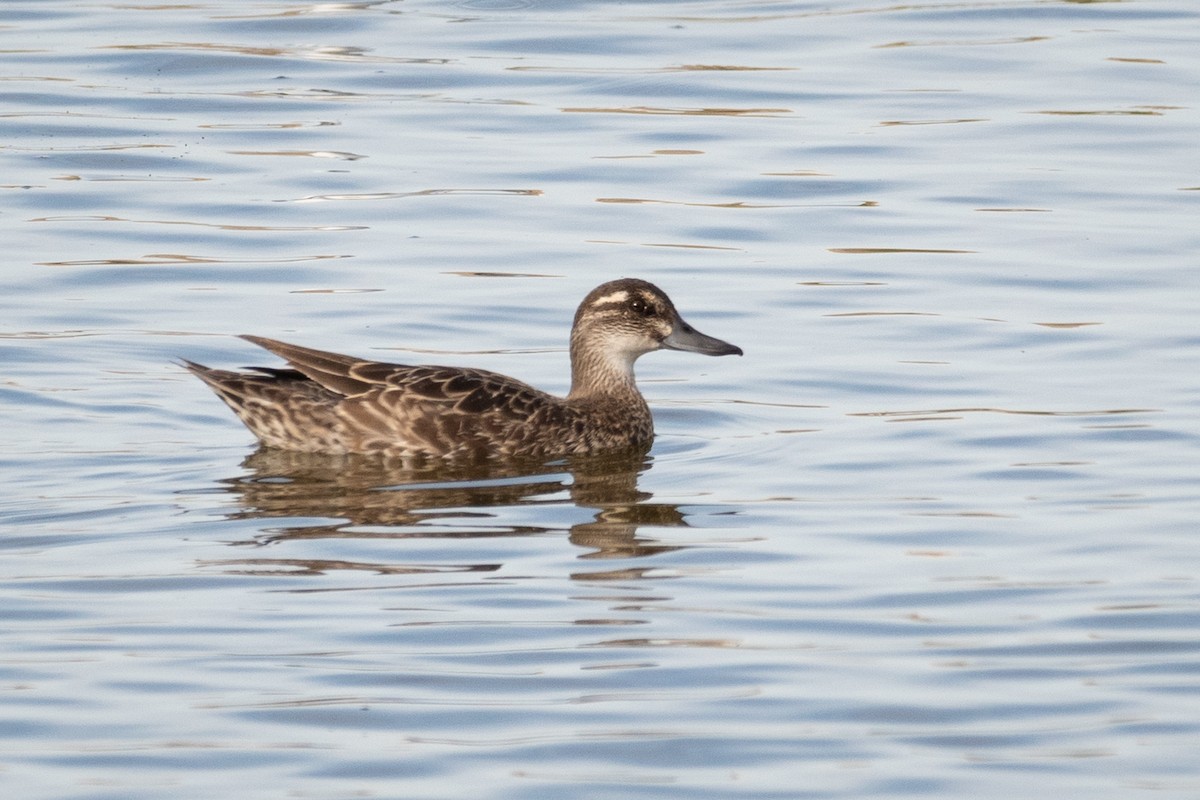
934	535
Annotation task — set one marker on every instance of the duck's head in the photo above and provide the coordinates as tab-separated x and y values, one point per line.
621	320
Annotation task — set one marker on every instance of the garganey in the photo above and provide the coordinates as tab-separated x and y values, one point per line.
337	404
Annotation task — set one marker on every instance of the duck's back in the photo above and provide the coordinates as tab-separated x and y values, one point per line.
454	412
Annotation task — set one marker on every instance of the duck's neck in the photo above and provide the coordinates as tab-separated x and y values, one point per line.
596	372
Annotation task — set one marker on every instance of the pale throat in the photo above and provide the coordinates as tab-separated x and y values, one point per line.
601	370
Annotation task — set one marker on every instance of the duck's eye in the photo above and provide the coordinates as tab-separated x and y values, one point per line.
642	307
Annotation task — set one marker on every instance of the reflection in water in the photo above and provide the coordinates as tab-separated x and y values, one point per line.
368	498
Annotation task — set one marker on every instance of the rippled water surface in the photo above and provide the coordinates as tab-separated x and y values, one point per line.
934	535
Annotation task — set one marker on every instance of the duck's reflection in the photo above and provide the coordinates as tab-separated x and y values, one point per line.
319	497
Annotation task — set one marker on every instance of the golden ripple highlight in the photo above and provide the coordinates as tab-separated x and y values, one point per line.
314	53
256	126
841	283
680	112
215	225
694	246
467	273
1067	324
647	70
1115	112
728	68
889	250
319	198
966	514
759	403
887	123
670	642
1044	464
162	259
964	42
132	178
940	413
304	566
884	314
654	153
315	94
339	155
88	148
334	291
734	204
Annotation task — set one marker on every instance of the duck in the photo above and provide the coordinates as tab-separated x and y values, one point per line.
335	404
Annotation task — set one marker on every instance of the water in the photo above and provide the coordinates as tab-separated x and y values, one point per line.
934	535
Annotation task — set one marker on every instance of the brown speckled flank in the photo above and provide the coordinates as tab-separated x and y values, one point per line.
330	403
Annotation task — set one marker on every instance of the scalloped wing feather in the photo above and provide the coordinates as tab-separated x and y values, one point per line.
450	411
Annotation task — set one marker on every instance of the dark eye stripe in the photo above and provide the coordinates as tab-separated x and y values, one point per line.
643	306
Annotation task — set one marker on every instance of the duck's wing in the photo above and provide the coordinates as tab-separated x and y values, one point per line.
472	391
334	371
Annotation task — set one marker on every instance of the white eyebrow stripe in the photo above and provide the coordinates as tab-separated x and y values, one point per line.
619	296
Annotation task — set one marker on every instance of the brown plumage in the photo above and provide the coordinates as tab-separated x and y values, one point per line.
330	403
